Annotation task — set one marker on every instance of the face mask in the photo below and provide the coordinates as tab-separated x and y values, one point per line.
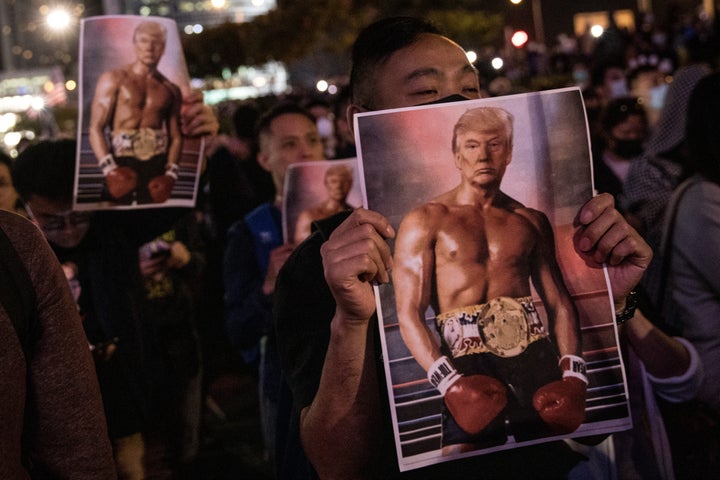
325	127
627	148
580	77
657	96
618	88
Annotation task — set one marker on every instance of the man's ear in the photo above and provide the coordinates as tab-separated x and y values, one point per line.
263	160
350	112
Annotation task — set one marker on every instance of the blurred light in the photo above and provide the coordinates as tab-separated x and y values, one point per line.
7	121
259	81
188	29
321	85
258	3
145	10
471	56
333	89
11	139
58	18
519	38
596	30
37	103
515	2
497	63
218	3
71	85
197	28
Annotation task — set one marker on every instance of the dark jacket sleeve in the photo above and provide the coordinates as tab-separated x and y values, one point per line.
248	311
304	308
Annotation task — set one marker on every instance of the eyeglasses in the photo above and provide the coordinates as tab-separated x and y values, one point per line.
57	221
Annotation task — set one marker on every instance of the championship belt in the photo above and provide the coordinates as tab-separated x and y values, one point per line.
143	143
504	326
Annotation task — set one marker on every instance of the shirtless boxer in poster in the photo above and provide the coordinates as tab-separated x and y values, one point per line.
140	108
338	182
469	254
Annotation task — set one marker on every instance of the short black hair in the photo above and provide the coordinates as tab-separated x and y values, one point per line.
282	108
376	43
618	110
244	118
46	169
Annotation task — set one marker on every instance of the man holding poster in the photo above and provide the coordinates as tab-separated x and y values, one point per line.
469	254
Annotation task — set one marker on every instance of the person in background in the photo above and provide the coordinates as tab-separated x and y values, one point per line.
101	249
692	296
623	128
256	250
653	176
325	120
52	413
325	307
9	199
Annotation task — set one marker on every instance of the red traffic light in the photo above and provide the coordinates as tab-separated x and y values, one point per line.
519	38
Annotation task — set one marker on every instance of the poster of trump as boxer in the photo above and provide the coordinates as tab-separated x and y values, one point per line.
317	190
496	334
132	152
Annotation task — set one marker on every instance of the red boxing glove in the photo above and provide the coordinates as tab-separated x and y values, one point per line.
121	181
161	187
561	404
473	400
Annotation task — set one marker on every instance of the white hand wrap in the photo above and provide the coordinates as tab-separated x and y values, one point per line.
573	366
107	164
442	374
172	171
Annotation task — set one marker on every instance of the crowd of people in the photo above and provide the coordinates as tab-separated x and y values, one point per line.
107	373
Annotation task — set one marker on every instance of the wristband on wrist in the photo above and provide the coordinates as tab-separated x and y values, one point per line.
631	304
172	170
442	374
107	164
573	366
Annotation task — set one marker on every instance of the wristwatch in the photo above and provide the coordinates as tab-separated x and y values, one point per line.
631	303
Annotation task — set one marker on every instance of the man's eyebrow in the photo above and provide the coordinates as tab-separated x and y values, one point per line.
434	72
423	72
469	68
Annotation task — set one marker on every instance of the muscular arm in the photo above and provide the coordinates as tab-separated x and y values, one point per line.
414	264
327	347
102	108
175	139
302	226
550	285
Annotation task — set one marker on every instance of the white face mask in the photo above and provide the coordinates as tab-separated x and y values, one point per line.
325	127
618	88
657	96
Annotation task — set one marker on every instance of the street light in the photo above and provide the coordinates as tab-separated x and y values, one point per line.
536	6
58	19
